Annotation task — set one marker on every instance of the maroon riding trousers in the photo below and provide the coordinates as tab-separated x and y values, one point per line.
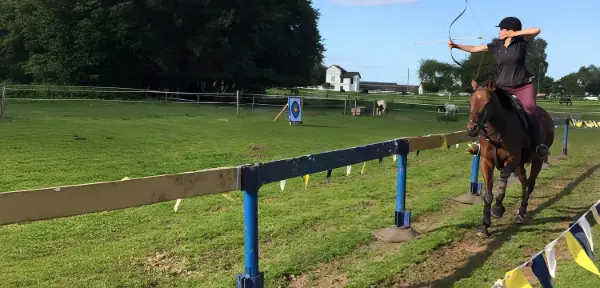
526	95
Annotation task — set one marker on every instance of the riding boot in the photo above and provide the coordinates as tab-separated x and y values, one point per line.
540	149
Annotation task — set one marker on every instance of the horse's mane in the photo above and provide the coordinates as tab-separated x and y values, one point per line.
505	99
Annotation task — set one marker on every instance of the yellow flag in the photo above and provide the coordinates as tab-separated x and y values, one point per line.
362	171
579	254
444	142
516	279
306	180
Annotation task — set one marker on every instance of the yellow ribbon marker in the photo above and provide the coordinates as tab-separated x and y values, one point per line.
227	197
306	177
362	171
444	143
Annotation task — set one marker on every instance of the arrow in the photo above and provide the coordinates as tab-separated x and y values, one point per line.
445	40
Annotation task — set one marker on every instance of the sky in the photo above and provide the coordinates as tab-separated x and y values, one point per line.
377	37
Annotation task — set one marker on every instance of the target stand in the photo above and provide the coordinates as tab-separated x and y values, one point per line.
295	105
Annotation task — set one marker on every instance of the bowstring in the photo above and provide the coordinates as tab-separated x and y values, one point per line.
480	30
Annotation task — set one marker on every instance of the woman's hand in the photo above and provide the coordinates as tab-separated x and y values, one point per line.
452	44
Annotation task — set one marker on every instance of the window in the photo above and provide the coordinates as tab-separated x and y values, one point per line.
351	80
332	78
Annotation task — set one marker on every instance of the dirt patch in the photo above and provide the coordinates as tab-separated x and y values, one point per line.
257	147
256	155
165	263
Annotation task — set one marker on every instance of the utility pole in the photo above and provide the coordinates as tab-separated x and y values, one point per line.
407	79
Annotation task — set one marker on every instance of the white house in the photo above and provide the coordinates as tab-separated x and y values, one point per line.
338	79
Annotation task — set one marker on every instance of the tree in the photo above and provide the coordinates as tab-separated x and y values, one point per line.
438	75
182	44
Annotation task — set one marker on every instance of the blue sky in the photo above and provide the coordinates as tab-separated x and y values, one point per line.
376	37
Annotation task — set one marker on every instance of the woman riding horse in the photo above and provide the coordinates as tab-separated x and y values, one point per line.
512	76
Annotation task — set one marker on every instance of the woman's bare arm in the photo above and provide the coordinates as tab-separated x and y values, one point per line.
468	48
528	33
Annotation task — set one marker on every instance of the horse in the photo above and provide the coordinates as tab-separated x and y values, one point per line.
503	128
381	107
451	108
565	101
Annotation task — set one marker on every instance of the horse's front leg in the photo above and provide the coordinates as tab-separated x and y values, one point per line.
509	167
487	170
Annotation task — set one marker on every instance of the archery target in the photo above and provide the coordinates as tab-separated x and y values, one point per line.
295	109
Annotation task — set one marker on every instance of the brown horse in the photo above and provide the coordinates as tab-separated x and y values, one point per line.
505	144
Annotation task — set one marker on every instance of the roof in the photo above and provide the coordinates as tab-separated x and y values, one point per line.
349	74
339	67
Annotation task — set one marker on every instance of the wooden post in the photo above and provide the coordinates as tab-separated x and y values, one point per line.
198	99
2	103
344	107
238	101
252	102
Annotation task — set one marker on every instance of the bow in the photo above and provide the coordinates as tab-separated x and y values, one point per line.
450	37
449	29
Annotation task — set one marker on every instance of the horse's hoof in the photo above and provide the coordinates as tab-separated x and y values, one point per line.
482	231
519	219
498	211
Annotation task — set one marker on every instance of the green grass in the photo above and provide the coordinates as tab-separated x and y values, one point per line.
60	143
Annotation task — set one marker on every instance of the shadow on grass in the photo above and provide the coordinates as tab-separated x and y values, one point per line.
478	260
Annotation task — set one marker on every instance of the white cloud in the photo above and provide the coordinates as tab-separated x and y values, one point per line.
372	2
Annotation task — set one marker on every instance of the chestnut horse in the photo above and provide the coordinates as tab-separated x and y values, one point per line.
506	145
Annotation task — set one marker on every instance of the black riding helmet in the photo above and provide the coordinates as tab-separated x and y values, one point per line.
510	23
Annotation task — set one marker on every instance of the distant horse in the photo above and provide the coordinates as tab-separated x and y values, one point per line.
565	101
381	107
451	108
503	129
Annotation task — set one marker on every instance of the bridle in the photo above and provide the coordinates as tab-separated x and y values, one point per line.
482	119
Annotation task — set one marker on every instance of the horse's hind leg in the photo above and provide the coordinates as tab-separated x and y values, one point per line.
536	167
522	175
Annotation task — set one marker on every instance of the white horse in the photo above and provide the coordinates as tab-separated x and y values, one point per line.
451	108
381	107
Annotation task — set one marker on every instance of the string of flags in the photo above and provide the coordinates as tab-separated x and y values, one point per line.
584	123
578	238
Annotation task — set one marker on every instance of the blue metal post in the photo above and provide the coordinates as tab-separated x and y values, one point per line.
565	137
402	217
252	277
475	185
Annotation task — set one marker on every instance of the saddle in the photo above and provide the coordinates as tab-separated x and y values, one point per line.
515	104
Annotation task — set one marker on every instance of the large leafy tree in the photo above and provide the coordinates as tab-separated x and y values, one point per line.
177	44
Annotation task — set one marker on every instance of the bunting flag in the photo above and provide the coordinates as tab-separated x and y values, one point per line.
328	177
418	152
541	271
362	171
585	225
516	279
579	253
543	264
306	177
551	258
456	145
381	161
282	184
348	169
394	157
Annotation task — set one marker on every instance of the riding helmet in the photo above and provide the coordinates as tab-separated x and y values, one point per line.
510	23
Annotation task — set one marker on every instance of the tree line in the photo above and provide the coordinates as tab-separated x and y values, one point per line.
439	76
195	45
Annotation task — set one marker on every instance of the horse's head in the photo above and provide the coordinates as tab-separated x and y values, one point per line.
479	113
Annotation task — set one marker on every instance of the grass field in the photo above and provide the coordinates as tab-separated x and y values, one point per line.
314	237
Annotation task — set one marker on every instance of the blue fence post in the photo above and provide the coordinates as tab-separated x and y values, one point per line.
565	137
402	217
252	277
475	188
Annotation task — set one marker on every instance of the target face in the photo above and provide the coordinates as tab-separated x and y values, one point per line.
295	109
